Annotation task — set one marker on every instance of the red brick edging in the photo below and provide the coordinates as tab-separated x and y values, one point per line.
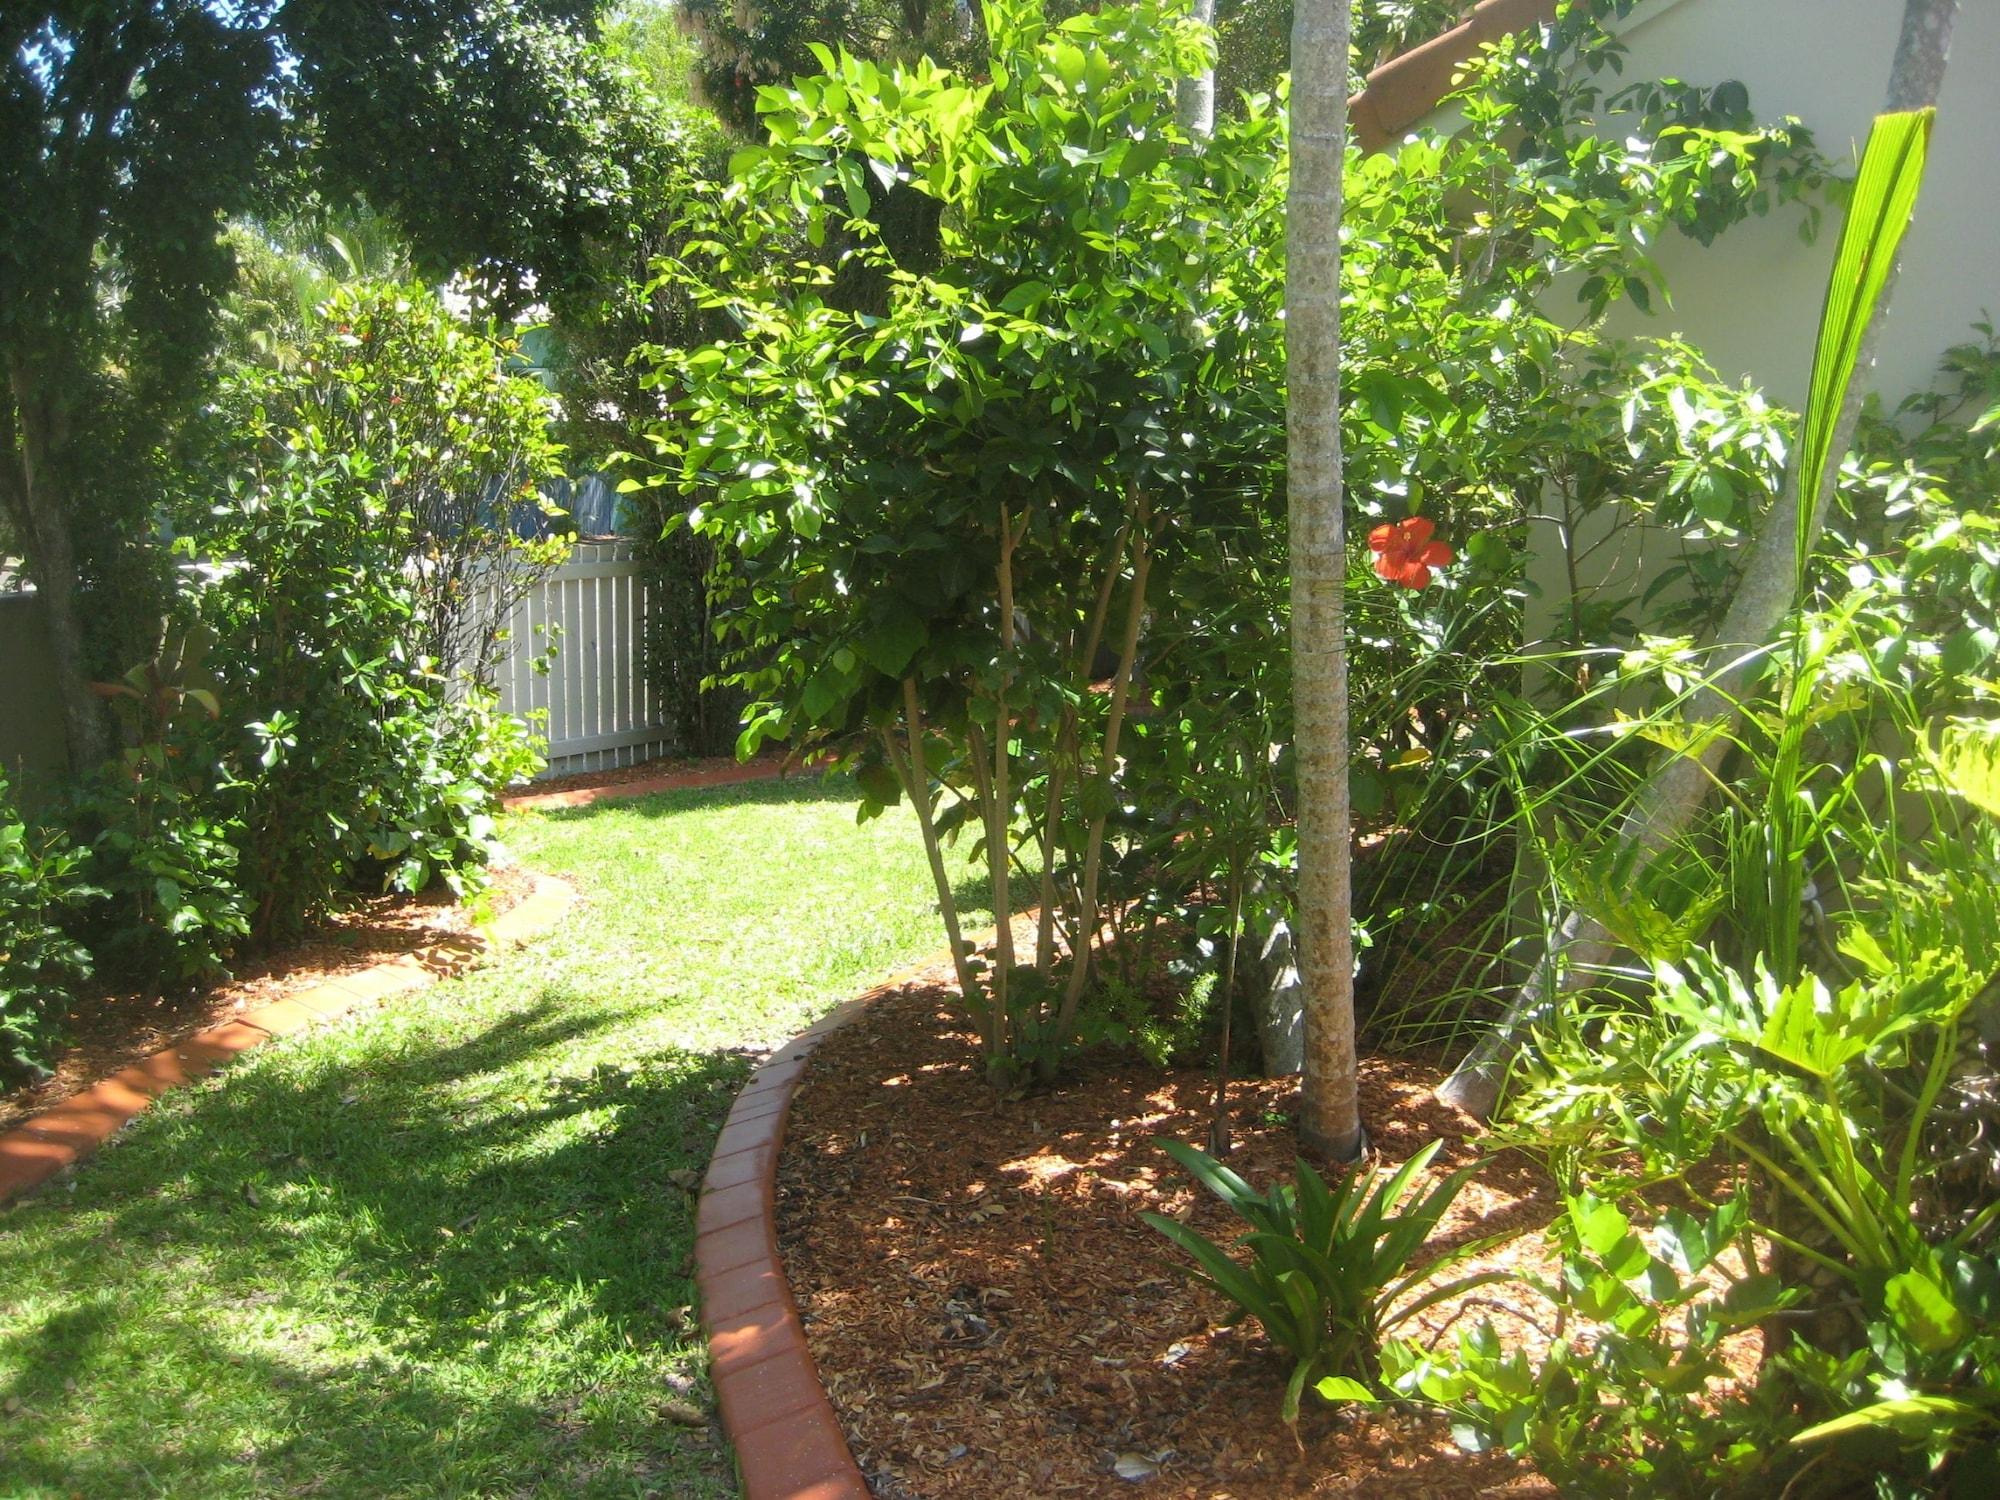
776	1414
65	1133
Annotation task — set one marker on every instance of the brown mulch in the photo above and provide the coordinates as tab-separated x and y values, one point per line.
113	1030
671	774
992	1318
645	770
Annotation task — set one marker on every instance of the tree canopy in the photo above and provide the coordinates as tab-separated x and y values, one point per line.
133	129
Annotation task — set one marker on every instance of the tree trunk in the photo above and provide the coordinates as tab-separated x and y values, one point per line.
1331	1123
34	499
1088	918
1672	797
1194	98
915	775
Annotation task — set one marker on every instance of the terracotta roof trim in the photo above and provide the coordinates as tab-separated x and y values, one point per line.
1405	89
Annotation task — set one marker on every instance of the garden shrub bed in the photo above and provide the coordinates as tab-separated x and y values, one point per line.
991	1316
116	1028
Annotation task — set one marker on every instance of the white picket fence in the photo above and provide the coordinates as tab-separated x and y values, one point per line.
600	711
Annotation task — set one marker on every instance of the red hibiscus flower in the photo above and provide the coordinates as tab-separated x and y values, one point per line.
1405	553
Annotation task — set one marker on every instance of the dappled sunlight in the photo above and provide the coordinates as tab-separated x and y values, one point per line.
444	1238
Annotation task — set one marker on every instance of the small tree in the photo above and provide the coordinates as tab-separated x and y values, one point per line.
952	509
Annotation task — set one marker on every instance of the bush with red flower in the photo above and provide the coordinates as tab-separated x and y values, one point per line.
1405	552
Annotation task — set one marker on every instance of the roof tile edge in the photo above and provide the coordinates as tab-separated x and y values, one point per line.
1405	89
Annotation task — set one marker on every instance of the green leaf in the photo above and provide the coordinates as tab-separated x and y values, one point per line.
1924	1312
1340	1388
1878	214
894	642
1968	761
1229	1278
1914	1416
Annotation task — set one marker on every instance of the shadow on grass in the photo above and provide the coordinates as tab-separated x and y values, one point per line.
475	1281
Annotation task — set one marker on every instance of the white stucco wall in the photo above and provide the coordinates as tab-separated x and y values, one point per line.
1751	301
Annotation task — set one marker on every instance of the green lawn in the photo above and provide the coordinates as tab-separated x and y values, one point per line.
436	1250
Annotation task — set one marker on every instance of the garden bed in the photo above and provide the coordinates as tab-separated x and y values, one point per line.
991	1316
676	770
112	1030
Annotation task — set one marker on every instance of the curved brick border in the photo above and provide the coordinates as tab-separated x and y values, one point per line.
787	1438
32	1153
788	1441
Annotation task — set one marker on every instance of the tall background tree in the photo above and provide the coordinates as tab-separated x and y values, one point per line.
132	130
1331	1123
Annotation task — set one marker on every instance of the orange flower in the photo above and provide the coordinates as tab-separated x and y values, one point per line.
1405	553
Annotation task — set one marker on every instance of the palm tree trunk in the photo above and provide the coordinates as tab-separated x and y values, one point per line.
1331	1122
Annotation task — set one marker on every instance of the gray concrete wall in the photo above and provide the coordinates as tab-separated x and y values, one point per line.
31	732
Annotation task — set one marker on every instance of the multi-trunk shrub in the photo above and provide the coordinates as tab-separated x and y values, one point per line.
1002	487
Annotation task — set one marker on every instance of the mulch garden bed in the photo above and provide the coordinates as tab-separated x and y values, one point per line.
645	770
112	1030
991	1316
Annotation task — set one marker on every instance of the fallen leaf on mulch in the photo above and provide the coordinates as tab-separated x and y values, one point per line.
1134	1466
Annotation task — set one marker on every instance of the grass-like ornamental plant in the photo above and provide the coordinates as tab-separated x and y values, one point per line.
1332	1266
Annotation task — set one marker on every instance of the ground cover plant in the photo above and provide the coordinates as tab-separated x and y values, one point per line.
442	1250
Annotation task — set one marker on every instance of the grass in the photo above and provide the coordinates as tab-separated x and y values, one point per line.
438	1251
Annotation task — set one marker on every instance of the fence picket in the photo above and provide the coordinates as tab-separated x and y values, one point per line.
600	710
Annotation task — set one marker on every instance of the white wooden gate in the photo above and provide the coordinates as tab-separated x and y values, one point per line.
600	712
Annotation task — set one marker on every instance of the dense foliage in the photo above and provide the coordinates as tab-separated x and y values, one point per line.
964	389
358	578
41	884
955	489
310	718
972	474
130	130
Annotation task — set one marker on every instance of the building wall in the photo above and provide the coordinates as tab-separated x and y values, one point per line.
1751	301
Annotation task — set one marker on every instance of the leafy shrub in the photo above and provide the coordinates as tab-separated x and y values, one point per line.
1826	1047
1330	1266
1627	1396
357	579
41	886
164	823
167	862
435	820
